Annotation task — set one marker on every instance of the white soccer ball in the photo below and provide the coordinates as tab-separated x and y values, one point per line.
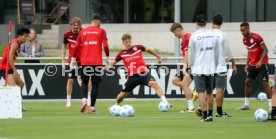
115	110
127	111
261	115
164	106
262	96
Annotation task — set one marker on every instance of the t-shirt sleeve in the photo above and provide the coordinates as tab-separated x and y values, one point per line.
118	57
141	47
259	39
65	40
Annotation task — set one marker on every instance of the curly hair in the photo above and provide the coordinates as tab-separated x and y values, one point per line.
75	20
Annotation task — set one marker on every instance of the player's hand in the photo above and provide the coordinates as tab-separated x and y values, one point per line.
16	74
107	61
189	71
73	64
79	80
159	60
235	70
184	70
259	64
246	68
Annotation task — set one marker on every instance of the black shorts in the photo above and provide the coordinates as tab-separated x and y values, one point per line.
91	71
253	72
3	73
135	80
181	75
220	80
72	73
204	83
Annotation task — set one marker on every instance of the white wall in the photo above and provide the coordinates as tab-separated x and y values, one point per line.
158	36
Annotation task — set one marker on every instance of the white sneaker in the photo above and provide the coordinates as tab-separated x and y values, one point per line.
68	105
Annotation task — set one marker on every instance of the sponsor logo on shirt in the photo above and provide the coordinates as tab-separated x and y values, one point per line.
251	40
90	43
204	37
135	48
90	32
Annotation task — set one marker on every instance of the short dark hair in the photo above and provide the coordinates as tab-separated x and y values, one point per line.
175	26
201	20
217	19
97	17
244	24
22	31
126	36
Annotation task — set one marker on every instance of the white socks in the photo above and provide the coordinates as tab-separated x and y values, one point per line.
246	101
269	103
68	99
190	104
163	98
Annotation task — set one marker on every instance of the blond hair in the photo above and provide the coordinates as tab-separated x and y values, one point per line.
126	36
75	20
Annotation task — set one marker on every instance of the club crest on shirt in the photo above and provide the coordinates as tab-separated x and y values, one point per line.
251	40
134	48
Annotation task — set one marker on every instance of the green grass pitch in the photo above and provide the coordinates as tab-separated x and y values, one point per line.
50	120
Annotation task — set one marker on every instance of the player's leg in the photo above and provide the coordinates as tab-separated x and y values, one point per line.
84	88
209	96
130	84
220	82
264	71
251	75
89	92
95	80
69	90
177	80
273	111
121	96
188	93
200	88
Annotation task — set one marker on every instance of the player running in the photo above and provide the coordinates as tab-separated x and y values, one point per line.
69	40
221	73
183	79
256	63
9	57
90	41
137	70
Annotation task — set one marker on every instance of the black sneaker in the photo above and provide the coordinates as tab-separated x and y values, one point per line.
23	110
271	118
223	115
208	119
199	112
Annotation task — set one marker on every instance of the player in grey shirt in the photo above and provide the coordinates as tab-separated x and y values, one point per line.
221	73
203	59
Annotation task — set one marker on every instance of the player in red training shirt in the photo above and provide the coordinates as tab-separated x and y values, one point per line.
90	42
69	40
8	59
256	63
182	78
137	70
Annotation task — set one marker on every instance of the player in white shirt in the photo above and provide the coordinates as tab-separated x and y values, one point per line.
221	73
203	58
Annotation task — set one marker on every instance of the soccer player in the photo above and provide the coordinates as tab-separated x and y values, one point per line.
183	79
69	40
137	70
256	63
90	41
221	73
202	58
9	57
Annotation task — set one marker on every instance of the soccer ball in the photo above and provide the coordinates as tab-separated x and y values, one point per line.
164	106
127	111
261	115
115	110
262	96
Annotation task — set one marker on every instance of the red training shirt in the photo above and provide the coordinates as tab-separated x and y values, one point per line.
5	55
70	38
90	41
133	60
185	43
253	43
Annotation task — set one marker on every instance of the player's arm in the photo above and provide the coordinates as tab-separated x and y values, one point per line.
12	52
152	52
63	54
265	52
247	62
106	48
191	52
229	55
